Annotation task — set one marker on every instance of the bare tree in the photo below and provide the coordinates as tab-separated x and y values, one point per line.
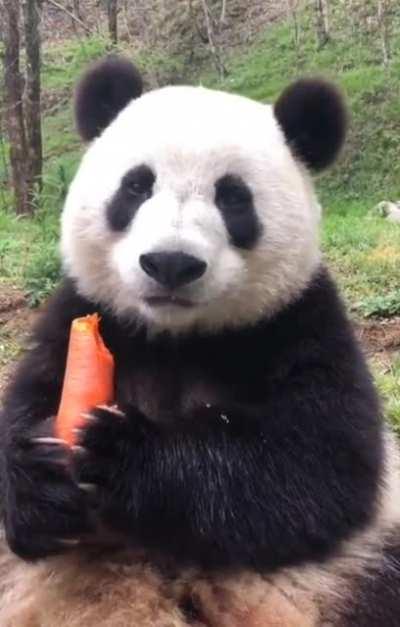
125	10
75	18
77	9
32	18
3	161
212	40
13	104
351	15
112	11
222	17
74	9
383	19
292	10
322	22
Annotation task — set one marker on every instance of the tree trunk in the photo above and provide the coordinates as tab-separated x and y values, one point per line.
322	22
67	11
13	104
112	9
4	180
77	9
222	17
352	18
292	9
74	10
32	16
126	20
214	47
384	29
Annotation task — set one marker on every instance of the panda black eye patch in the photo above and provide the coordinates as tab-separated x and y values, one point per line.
235	202
136	187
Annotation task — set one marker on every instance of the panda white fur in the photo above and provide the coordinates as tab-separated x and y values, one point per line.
245	477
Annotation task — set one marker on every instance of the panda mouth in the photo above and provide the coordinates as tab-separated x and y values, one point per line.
168	300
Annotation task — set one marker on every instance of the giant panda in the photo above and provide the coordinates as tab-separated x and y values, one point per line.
244	476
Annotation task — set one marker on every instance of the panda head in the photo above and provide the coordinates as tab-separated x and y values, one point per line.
193	207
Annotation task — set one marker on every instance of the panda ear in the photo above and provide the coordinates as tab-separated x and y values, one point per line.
103	92
313	117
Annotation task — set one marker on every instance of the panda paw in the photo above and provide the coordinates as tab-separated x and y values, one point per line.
45	510
104	442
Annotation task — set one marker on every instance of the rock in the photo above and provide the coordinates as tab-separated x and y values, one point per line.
394	213
388	210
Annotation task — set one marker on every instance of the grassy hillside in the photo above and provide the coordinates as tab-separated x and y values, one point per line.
364	251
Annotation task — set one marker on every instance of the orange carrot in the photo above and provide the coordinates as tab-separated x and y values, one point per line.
89	376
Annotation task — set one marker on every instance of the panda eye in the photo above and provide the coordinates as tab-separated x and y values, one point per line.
235	202
231	193
139	182
136	187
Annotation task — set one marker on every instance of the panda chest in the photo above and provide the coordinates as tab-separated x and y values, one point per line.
166	390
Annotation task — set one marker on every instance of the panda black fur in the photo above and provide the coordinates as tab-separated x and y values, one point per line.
246	478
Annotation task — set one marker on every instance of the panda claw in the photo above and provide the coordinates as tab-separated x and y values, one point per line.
87	487
69	542
48	441
80	450
88	416
113	409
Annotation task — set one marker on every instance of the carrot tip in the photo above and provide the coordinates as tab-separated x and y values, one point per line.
113	409
78	449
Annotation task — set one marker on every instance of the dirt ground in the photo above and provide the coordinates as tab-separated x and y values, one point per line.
380	338
16	319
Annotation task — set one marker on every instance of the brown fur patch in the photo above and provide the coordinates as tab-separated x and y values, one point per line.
78	591
75	592
252	601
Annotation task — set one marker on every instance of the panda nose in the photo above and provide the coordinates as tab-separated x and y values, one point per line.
172	269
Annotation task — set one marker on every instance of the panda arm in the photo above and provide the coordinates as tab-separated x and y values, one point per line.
245	486
35	483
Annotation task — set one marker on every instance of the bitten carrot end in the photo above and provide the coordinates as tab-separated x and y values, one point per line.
89	376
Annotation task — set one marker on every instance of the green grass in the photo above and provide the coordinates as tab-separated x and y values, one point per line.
28	253
364	254
388	382
62	63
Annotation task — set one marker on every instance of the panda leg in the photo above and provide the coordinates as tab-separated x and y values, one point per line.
250	600
375	601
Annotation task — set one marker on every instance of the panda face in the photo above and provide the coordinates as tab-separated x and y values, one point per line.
190	210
